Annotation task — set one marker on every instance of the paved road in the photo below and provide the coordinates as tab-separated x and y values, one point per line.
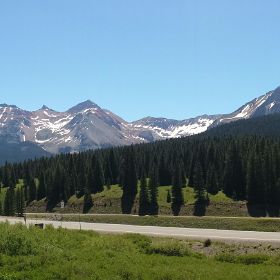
182	233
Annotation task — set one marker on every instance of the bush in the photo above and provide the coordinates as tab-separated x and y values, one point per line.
207	243
242	259
169	249
16	241
141	241
252	259
229	258
16	245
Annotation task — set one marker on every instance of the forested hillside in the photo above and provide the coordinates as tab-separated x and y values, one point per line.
264	126
244	168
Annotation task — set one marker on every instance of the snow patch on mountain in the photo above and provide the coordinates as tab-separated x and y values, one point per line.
87	126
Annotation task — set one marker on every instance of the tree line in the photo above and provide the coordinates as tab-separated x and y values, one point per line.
243	167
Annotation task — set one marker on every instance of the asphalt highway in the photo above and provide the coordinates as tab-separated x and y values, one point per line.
181	233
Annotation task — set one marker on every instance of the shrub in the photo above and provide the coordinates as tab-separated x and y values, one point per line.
207	243
169	249
252	259
16	241
16	245
229	258
141	241
243	259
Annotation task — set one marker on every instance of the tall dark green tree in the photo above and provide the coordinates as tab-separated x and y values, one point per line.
234	184
198	182
98	175
165	175
9	202
212	181
88	203
20	201
177	193
143	198
41	187
129	184
168	197
153	189
32	190
255	182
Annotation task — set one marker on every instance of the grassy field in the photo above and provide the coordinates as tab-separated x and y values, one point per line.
109	202
227	223
60	254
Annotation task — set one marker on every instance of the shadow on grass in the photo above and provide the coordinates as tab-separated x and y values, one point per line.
261	210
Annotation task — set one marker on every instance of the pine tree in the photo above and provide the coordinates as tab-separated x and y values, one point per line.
88	203
54	187
211	181
143	198
153	189
113	167
42	187
32	191
255	182
20	202
234	185
9	202
165	176
177	194
90	181
129	184
25	189
98	175
199	187
168	198
191	172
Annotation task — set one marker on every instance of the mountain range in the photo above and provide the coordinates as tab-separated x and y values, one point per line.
87	126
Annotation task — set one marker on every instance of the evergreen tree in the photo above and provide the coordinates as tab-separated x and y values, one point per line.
255	187
20	201
165	176
129	184
9	202
168	198
143	198
211	181
153	189
113	167
88	203
177	193
234	185
98	175
25	189
198	181
32	191
42	187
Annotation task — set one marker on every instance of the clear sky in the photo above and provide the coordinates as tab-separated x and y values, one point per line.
172	58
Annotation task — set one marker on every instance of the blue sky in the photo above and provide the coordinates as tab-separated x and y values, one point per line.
177	59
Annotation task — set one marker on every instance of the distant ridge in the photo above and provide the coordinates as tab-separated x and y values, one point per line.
88	126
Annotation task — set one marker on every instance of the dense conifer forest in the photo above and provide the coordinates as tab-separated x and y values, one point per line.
243	167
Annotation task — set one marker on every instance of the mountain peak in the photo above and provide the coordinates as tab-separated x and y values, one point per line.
44	107
8	105
88	104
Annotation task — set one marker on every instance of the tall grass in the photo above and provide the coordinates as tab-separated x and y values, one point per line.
27	254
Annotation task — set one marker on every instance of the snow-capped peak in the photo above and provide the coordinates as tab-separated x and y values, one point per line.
87	126
88	104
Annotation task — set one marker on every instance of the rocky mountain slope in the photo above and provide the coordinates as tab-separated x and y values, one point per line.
87	126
